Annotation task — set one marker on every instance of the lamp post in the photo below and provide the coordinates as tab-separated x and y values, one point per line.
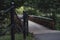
25	24
12	20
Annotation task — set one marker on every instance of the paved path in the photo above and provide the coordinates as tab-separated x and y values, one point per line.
42	33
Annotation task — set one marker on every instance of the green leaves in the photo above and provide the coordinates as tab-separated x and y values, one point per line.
6	3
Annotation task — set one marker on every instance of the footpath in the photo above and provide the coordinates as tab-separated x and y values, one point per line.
42	33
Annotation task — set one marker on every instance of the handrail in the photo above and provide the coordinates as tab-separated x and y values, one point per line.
7	10
41	17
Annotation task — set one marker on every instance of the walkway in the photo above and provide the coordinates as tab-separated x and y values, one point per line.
42	33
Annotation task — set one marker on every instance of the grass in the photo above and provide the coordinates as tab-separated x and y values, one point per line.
17	37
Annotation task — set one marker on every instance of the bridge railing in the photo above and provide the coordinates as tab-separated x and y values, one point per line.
48	22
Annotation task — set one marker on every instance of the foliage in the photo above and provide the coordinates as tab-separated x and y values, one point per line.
45	5
17	37
7	3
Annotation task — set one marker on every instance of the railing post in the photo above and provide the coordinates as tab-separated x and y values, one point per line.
25	25
27	29
12	22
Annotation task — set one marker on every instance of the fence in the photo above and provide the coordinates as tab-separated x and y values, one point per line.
15	24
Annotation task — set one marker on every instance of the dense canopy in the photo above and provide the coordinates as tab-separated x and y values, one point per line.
6	3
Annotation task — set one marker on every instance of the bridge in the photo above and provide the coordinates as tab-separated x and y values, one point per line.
42	32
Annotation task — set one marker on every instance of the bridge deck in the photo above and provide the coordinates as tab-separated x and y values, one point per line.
37	28
42	33
34	27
